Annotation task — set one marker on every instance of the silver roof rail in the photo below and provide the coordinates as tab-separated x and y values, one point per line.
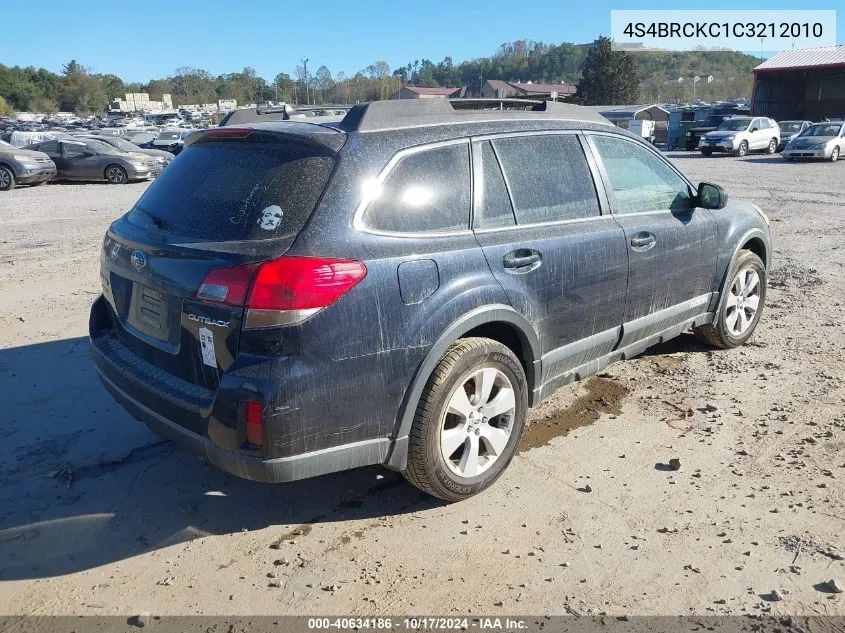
407	113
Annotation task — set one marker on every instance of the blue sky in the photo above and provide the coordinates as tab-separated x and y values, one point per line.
146	40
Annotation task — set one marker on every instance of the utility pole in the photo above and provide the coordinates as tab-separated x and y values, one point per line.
305	71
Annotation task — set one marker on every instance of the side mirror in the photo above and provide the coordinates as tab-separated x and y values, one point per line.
711	196
754	129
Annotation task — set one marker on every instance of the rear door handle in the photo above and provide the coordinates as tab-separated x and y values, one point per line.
643	241
523	260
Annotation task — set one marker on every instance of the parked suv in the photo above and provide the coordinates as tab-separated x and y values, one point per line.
23	167
742	134
290	299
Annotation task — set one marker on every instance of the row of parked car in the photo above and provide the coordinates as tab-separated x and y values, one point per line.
111	159
794	139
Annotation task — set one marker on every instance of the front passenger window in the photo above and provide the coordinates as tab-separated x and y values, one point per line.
640	180
74	150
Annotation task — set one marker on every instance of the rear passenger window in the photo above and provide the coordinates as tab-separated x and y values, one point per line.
425	192
494	207
547	177
51	148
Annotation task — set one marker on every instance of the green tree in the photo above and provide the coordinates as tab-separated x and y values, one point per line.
5	108
609	77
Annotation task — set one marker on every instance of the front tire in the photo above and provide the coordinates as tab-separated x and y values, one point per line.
469	420
742	150
834	155
740	305
7	179
773	146
116	175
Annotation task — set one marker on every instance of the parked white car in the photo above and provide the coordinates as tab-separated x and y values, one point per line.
820	140
740	135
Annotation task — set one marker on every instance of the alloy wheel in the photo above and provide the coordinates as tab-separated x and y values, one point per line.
476	426
115	175
743	301
5	179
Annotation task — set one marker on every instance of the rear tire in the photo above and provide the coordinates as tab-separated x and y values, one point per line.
7	179
116	175
469	420
740	305
742	150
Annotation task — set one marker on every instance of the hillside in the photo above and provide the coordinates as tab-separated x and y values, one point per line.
77	89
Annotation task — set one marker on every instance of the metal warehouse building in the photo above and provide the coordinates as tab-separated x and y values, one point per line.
801	84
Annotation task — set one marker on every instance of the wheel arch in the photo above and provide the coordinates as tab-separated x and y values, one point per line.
756	245
498	322
754	240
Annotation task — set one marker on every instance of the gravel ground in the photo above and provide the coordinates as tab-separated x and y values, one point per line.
98	516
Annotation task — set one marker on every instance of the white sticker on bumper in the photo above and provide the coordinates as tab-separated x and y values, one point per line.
207	347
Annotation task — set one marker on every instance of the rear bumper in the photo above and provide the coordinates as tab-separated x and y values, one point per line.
209	423
278	470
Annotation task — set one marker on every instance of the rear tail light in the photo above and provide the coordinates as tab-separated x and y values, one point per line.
254	424
227	285
284	290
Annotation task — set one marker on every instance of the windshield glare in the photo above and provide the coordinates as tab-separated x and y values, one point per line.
735	125
790	127
823	129
100	147
168	136
119	143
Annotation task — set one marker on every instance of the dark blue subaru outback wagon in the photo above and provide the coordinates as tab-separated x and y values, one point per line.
291	299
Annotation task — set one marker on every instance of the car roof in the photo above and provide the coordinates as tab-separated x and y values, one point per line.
399	114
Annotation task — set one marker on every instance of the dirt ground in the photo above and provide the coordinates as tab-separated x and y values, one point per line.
98	516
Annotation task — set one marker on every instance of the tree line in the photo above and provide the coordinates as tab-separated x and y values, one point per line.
607	77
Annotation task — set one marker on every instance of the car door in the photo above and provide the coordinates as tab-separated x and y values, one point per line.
54	151
560	260
761	135
81	162
671	244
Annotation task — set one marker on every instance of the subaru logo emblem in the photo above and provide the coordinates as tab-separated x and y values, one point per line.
138	259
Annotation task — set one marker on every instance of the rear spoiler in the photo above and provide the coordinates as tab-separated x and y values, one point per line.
293	131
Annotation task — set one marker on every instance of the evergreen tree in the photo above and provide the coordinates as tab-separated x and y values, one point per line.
609	77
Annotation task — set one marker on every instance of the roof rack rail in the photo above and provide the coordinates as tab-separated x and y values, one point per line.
406	113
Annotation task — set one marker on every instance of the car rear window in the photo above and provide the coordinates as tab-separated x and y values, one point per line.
232	190
427	191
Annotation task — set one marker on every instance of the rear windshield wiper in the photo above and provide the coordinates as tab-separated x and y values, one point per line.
153	218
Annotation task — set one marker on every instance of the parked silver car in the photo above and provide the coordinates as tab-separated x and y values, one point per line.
821	140
172	140
789	130
742	134
86	159
23	167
